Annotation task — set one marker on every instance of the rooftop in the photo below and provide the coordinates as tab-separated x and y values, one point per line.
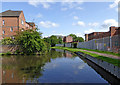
10	13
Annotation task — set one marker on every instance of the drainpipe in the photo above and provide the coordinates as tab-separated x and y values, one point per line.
110	43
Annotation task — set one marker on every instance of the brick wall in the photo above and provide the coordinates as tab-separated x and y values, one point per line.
10	22
96	35
68	39
16	23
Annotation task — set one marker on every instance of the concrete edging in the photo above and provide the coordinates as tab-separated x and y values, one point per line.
115	70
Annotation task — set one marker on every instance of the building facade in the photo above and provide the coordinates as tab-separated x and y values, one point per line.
12	22
68	39
97	35
106	41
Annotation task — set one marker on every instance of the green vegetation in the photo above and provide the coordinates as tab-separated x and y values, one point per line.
75	38
116	62
29	42
52	40
8	53
7	41
99	51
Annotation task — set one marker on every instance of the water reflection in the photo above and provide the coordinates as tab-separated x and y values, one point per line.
19	69
57	66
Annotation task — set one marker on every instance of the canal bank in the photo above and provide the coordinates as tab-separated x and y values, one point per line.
113	68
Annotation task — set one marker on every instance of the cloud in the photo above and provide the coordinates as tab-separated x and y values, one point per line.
89	31
115	4
48	24
72	5
107	23
64	9
35	3
79	23
93	24
80	35
39	15
45	5
79	8
53	31
75	17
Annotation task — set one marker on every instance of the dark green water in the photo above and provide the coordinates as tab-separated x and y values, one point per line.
57	66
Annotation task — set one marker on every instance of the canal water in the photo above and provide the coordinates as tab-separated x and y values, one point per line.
57	66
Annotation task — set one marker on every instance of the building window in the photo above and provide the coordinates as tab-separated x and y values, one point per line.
11	29
22	22
3	22
3	32
22	29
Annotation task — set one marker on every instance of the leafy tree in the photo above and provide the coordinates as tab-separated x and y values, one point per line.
60	41
74	37
47	40
7	41
80	39
30	42
54	40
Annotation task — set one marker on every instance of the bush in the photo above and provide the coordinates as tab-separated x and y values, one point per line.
8	53
30	42
7	41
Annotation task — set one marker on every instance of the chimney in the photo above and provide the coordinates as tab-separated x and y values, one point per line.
112	30
86	37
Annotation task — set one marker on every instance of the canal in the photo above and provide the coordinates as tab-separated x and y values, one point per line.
57	66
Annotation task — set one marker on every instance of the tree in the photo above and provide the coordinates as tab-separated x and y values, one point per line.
74	37
80	39
54	40
7	41
47	40
30	42
60	41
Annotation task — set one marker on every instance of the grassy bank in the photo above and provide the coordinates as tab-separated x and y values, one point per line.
99	51
116	62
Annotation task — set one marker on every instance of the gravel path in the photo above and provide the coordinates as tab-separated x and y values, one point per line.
103	54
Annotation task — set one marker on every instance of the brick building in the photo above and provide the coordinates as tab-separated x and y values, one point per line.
97	35
109	41
13	21
68	39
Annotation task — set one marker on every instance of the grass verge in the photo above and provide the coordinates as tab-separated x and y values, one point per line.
106	52
115	62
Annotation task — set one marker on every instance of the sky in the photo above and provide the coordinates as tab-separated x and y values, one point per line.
64	18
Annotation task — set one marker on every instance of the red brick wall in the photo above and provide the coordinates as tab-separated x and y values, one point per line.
96	35
22	18
9	22
68	39
15	23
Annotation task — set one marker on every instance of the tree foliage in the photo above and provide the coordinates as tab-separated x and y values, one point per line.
53	40
30	42
60	41
80	39
75	38
7	41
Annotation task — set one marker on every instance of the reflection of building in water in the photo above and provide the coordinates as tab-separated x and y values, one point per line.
68	54
11	76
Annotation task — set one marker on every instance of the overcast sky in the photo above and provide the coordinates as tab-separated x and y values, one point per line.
63	18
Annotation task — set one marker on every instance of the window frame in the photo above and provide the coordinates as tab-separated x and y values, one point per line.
3	22
3	32
11	29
